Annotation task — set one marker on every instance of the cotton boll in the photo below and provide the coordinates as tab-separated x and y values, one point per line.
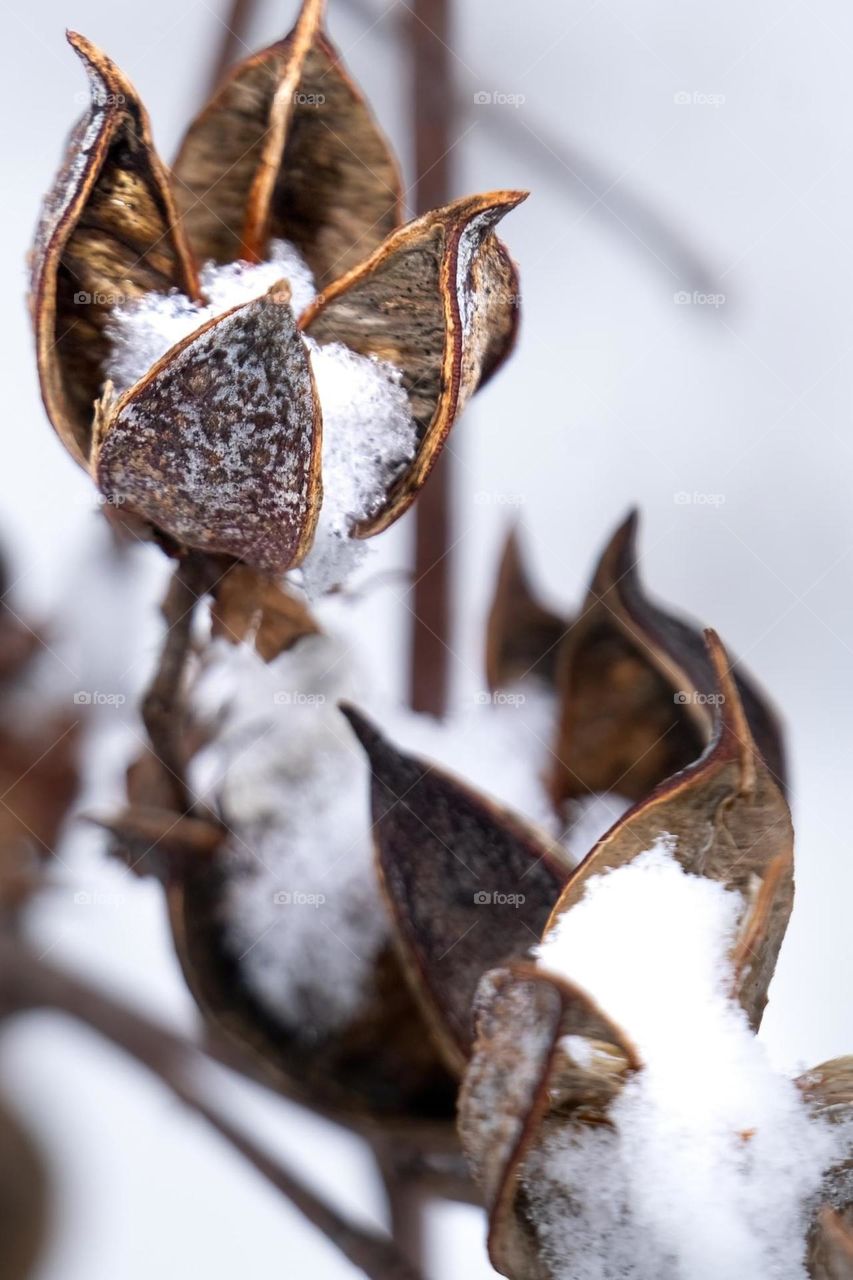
717	1155
368	437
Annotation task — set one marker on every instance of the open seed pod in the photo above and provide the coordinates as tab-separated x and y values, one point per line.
523	636
636	689
215	445
728	821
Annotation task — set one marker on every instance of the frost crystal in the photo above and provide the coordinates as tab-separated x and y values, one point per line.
710	1169
368	430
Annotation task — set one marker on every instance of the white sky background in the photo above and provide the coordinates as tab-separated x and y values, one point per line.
617	394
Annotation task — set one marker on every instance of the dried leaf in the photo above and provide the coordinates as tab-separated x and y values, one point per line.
637	689
519	1076
107	234
247	605
730	822
469	885
439	300
288	149
219	444
522	635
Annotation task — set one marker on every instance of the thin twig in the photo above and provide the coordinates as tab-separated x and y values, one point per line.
27	982
236	26
429	39
162	706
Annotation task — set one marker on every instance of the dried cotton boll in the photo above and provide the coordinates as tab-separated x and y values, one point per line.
589	818
714	1160
142	331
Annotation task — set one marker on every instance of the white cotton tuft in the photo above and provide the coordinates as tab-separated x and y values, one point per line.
142	331
368	437
303	911
710	1170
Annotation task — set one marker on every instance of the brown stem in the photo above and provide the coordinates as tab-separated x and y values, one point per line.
26	983
431	99
236	26
406	1198
162	710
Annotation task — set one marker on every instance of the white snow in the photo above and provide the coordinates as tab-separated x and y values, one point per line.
304	911
713	1161
368	430
368	437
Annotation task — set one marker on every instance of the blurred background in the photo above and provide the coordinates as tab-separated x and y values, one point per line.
686	259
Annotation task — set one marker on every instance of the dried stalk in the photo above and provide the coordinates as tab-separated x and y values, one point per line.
232	44
162	712
28	983
431	97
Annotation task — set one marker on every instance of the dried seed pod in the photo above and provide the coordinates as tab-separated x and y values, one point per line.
219	444
25	1196
519	1079
158	842
637	689
438	299
468	884
522	635
288	149
379	1070
730	822
246	605
107	235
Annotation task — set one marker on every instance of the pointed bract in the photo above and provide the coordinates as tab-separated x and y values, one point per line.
219	444
637	689
107	235
288	149
438	300
469	884
522	635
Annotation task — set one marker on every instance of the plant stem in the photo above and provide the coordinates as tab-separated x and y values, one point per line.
432	113
235	28
27	982
162	710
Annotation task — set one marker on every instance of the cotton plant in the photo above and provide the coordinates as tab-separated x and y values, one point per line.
336	898
250	353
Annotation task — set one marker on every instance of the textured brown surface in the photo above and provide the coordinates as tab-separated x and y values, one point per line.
247	606
438	300
469	885
730	822
830	1254
288	149
106	235
519	1076
636	689
219	444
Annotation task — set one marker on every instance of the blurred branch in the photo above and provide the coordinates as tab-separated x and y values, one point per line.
28	983
162	709
428	37
236	26
585	181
